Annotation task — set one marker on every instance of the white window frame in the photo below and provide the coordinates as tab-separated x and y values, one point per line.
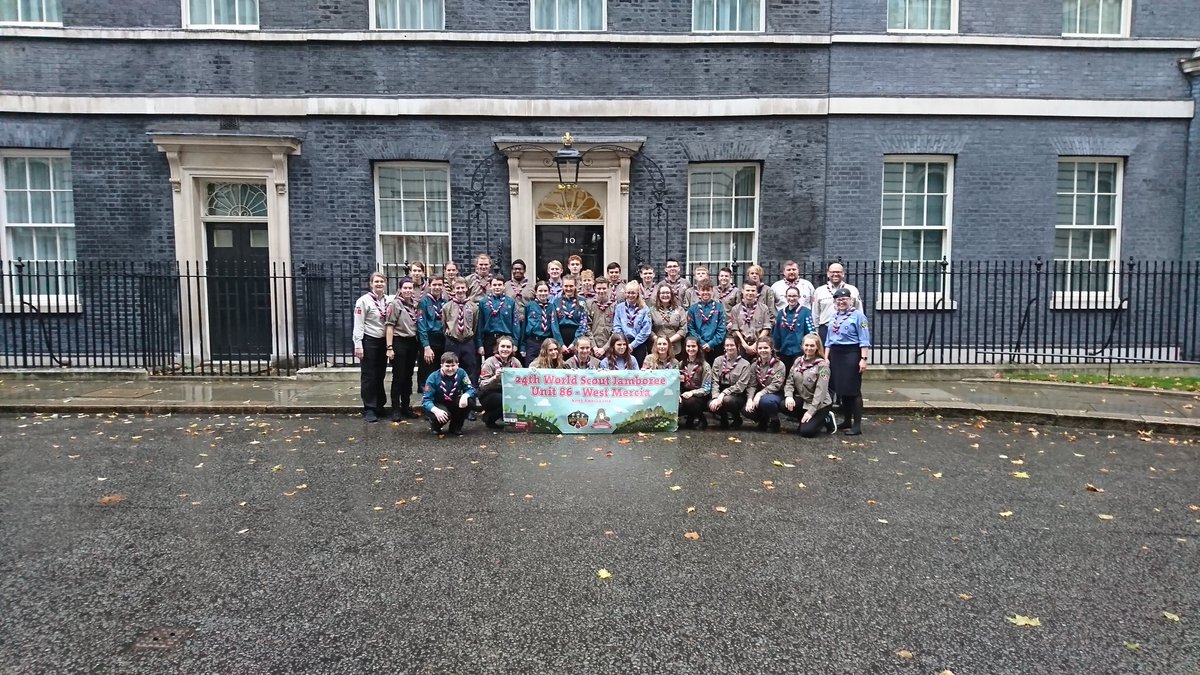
374	17
1109	298
742	259
187	18
1126	21
380	234
533	19
951	30
35	24
762	18
48	302
927	300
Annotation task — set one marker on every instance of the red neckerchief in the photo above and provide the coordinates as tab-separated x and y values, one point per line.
726	367
837	325
790	325
410	311
805	366
545	317
438	305
665	314
380	307
726	293
748	321
705	317
493	309
519	290
630	314
689	372
603	306
759	370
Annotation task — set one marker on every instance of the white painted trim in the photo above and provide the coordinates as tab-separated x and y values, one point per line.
624	108
698	39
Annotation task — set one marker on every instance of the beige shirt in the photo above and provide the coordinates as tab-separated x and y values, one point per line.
729	378
671	324
809	383
469	311
403	318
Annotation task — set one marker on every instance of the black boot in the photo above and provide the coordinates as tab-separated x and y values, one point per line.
847	409
702	422
737	422
856	417
723	420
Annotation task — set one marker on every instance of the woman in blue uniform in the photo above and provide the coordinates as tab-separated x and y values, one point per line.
849	353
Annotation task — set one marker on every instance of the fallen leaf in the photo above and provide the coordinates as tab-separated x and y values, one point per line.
1006	514
904	653
290	494
72	456
882	521
777	463
1193	508
277	468
871	502
691	536
377	508
1132	646
801	485
111	499
965	596
1018	462
675	488
1093	488
667	473
1019	474
542	465
623	441
244	530
1171	617
946	672
691	509
833	458
1018	620
937	475
401	502
603	573
720	509
1105	516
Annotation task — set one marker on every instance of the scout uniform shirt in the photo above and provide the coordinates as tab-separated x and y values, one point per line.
403	318
652	363
707	323
679	286
694	376
728	296
444	392
729	377
572	312
461	322
498	316
541	322
521	293
809	383
790	328
369	315
766	377
477	286
669	323
430	321
848	328
600	319
489	378
592	364
780	288
751	321
823	306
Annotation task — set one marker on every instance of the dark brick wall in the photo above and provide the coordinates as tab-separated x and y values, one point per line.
884	70
1004	201
409	69
1166	18
123	14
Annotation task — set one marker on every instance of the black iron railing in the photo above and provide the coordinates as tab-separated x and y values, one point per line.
259	319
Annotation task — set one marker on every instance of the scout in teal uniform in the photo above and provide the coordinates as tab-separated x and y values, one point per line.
448	397
498	317
706	322
849	353
541	322
572	313
429	329
792	323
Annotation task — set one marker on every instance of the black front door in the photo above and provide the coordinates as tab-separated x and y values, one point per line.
559	242
239	291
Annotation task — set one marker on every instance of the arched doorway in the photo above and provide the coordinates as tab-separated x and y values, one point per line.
569	221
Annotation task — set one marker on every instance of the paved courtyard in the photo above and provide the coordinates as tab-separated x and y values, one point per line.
320	544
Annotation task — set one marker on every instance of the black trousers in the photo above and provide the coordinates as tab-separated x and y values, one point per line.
642	351
823	330
788	360
732	407
694	406
492	401
457	416
568	333
437	342
814	425
406	352
373	370
468	358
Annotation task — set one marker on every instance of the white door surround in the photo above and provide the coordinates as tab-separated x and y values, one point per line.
529	166
198	159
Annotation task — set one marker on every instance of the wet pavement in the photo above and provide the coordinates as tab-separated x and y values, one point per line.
1108	407
316	543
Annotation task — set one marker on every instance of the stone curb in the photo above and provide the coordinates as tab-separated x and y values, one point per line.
1089	387
997	413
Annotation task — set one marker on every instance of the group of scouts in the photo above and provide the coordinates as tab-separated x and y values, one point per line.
755	351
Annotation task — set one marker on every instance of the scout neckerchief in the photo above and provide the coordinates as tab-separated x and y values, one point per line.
764	374
630	313
748	315
380	304
448	391
839	319
461	323
726	366
666	314
495	310
603	306
438	304
705	317
519	289
690	370
545	317
728	291
783	318
805	366
410	311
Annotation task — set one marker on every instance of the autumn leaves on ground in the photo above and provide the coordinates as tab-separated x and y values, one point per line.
319	544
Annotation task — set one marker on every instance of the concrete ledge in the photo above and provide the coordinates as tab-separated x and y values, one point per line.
1082	385
74	374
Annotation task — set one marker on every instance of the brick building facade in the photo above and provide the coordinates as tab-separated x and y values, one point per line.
902	132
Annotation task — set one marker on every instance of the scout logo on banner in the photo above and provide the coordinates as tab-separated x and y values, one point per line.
591	401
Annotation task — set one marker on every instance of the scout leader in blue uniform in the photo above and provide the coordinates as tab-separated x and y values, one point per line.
448	396
498	317
706	322
541	322
849	353
429	328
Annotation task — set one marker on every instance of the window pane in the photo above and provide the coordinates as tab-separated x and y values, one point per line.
199	11
896	14
438	217
31	10
436	184
914	211
1089	16
726	14
413	185
1085	210
389	216
39	173
543	15
1062	244
18	207
941	15
935	177
223	12
60	169
743	214
64	210
1066	177
935	211
20	242
413	216
8	10
918	14
914	177
1065	210
698	215
722	183
748	16
890	248
568	15
744	182
1110	15
722	213
700	184
1106	177
703	12
39	208
1106	208
593	15
893	177
1081	243
389	183
932	249
1070	16
432	15
893	215
1101	244
1085	177
66	242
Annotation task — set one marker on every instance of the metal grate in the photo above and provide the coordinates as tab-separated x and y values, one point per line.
230	124
162	638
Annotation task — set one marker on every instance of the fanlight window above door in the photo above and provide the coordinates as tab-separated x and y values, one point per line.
236	200
569	204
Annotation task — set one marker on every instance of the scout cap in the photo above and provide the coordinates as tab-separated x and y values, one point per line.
842	293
